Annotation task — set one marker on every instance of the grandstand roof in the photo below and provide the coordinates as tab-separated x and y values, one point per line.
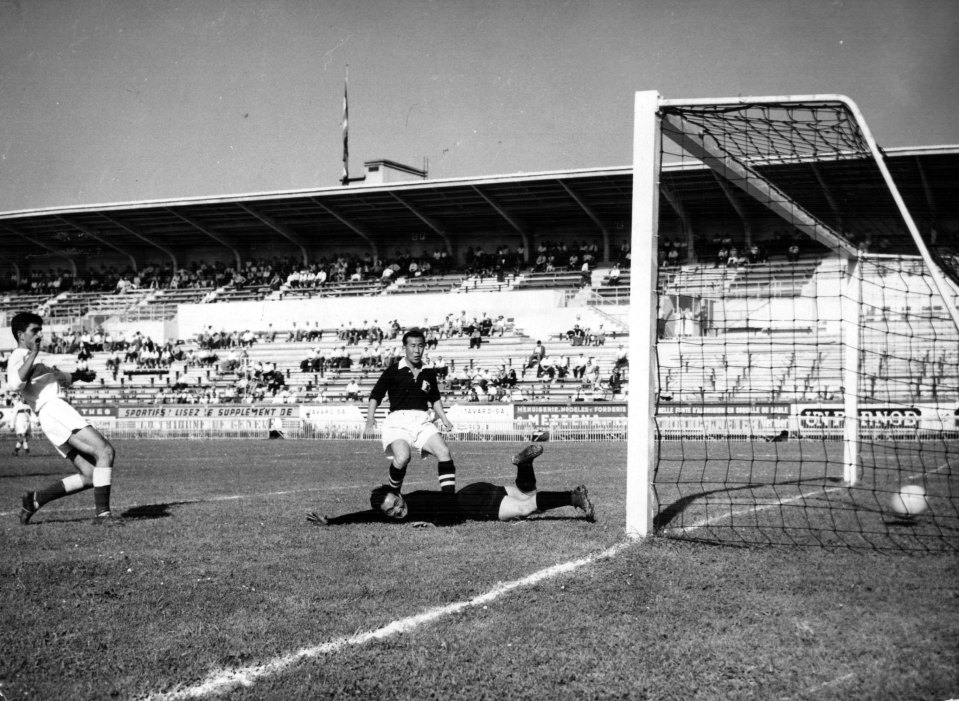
597	200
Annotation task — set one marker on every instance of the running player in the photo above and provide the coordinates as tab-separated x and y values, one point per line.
42	389
412	390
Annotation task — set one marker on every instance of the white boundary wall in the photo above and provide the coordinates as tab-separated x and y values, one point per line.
533	311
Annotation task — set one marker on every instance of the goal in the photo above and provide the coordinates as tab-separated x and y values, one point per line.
800	331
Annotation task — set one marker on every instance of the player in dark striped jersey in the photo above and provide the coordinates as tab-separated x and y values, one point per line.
479	501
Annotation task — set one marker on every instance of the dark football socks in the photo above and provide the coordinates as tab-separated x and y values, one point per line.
447	475
397	476
525	477
553	500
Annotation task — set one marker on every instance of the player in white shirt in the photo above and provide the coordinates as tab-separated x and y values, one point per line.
42	388
21	427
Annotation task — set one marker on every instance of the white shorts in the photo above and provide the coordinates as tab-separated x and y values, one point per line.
59	421
21	425
411	426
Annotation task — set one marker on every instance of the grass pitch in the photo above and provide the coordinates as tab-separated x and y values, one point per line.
217	573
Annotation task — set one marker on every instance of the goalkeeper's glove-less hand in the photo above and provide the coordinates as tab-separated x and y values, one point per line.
316	519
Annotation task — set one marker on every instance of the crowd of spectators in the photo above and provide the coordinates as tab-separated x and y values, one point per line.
290	273
554	255
585	335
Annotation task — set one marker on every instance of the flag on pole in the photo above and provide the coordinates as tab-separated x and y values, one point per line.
346	132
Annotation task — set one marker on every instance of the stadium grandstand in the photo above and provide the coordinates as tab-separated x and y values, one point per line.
161	294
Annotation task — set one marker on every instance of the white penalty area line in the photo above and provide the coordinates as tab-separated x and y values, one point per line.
222	681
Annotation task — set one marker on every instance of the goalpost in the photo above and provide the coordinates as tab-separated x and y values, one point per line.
802	303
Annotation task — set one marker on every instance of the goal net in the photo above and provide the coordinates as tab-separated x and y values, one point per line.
805	354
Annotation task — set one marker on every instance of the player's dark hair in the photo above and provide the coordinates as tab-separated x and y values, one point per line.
22	320
378	495
414	333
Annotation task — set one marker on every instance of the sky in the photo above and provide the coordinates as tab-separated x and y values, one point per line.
107	101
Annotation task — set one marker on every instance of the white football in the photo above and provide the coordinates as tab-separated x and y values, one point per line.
909	501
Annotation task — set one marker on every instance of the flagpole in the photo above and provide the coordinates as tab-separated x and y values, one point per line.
346	128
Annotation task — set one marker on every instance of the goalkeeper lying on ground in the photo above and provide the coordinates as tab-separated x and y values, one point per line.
479	501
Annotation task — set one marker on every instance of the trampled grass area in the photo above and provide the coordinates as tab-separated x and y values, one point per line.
217	571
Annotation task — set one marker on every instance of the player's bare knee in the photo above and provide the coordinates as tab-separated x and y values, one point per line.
108	452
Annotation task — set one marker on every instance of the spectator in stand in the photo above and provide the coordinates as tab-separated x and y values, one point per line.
486	325
614	275
366	356
441	366
547	366
722	257
232	362
476	337
615	381
205	356
340	359
587	275
480	380
735	258
539	352
352	392
313	362
591	375
447	329
113	363
792	255
464	324
622	357
576	335
598	338
672	256
579	366
461	380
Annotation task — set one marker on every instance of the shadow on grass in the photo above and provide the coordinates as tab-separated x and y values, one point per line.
145	512
671	512
536	517
151	511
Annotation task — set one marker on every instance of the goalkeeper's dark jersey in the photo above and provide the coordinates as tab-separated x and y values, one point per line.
479	501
